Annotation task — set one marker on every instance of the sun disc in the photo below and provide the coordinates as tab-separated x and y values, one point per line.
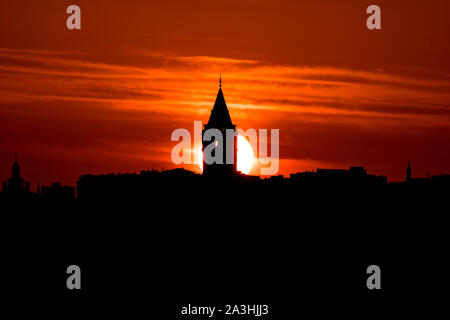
245	155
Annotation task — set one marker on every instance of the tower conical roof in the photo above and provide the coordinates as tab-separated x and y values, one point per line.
220	116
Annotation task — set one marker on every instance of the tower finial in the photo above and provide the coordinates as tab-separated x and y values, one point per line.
220	80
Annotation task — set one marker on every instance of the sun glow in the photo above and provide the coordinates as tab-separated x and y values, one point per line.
245	155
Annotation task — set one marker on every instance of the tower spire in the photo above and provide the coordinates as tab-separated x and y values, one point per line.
408	172
220	80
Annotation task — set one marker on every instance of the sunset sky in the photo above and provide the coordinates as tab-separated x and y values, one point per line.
106	98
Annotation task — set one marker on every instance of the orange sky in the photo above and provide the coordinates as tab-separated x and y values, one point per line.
106	98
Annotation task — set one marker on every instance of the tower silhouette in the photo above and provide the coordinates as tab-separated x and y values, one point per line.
408	172
16	184
220	120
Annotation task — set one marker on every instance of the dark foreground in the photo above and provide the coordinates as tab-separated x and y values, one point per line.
303	251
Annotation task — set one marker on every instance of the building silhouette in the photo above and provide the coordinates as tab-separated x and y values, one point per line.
355	176
17	188
220	120
57	192
159	186
16	184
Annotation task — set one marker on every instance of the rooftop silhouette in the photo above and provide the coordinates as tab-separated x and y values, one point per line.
149	183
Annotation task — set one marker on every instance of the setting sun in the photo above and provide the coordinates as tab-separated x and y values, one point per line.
244	155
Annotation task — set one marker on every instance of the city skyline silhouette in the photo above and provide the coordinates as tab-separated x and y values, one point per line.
219	119
134	185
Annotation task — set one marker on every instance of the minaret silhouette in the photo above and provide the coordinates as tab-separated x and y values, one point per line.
408	172
220	119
